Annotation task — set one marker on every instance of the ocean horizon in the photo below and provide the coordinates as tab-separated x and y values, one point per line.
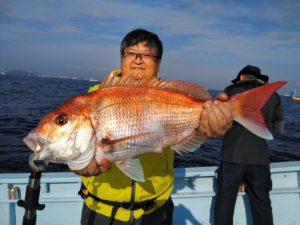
25	99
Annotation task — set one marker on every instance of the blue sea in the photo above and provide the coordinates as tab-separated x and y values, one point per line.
25	99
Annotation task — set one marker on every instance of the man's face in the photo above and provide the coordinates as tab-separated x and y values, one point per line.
246	76
140	62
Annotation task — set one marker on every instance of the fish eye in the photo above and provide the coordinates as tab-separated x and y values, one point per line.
61	119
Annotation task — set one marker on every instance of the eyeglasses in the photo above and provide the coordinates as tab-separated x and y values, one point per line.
145	56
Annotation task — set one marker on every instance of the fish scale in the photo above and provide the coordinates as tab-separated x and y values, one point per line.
136	116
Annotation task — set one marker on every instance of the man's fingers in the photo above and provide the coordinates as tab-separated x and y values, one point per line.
104	165
204	126
209	122
216	118
226	116
93	168
222	97
82	172
223	113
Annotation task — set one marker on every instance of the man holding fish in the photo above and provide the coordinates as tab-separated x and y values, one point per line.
120	137
141	53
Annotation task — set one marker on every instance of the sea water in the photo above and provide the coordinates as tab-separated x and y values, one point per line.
24	100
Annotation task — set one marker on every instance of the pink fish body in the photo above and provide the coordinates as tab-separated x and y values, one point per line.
127	118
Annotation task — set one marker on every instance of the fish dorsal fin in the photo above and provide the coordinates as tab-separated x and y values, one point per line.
190	144
187	88
183	87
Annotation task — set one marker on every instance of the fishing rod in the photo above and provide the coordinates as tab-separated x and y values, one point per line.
31	203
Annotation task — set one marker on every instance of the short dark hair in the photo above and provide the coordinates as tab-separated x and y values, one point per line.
140	35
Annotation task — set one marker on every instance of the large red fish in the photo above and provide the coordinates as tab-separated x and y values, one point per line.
126	118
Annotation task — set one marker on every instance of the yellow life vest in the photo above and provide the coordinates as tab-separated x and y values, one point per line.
114	186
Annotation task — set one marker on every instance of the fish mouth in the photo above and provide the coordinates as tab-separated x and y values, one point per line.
37	144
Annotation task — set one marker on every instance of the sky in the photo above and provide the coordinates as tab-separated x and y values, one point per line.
207	42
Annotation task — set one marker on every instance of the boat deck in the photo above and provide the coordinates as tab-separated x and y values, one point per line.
193	197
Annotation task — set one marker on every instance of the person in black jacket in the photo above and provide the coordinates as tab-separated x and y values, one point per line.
245	157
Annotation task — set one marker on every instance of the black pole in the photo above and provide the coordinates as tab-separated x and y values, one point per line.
31	203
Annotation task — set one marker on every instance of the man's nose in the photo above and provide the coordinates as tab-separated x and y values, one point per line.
138	57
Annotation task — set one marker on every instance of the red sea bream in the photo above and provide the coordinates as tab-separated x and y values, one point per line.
126	118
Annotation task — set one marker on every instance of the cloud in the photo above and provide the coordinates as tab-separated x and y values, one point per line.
207	37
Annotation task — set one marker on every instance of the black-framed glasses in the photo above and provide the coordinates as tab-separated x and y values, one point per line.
145	56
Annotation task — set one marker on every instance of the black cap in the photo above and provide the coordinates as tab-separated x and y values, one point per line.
251	70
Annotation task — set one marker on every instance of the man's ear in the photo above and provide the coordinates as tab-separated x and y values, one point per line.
158	65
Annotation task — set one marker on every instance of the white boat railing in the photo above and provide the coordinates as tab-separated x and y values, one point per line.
193	197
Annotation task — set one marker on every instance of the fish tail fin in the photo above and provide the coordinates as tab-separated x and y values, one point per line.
247	105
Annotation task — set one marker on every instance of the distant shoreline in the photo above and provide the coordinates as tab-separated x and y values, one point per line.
24	73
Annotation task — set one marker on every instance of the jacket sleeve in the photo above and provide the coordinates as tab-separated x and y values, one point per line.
277	127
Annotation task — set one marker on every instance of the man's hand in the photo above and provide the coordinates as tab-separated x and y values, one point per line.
93	169
216	117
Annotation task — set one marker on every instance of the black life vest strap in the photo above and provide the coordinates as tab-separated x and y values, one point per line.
145	205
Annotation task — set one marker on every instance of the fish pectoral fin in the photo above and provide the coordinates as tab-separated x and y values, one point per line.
145	142
190	144
108	141
132	168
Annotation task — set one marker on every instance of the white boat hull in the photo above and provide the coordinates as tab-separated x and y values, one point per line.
193	197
